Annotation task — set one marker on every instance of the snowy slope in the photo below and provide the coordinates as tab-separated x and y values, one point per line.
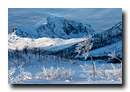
103	51
56	27
45	42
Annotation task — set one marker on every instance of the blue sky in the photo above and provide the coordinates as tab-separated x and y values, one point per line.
100	19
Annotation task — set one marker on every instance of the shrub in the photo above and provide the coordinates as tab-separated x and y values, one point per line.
51	74
10	73
20	77
117	72
114	73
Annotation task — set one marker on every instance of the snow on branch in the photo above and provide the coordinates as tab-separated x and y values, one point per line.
113	56
85	46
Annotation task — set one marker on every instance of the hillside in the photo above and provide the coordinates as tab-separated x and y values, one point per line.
103	43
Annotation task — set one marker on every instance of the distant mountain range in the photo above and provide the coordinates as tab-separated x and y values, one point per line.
56	27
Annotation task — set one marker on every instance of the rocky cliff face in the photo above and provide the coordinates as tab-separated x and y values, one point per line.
56	27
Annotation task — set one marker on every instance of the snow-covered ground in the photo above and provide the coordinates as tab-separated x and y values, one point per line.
77	77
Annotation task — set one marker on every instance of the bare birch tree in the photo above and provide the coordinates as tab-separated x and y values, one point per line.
84	47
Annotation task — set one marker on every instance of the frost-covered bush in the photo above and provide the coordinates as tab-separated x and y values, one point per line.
88	70
51	74
10	73
20	77
111	72
102	72
23	75
116	73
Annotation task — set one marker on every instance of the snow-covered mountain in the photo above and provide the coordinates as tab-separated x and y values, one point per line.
56	27
52	34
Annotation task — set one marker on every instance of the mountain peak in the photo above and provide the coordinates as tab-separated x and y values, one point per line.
56	27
